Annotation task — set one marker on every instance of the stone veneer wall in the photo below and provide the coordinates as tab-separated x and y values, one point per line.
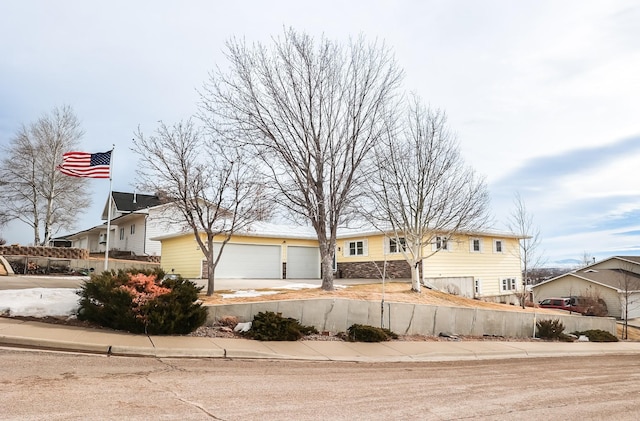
396	269
53	252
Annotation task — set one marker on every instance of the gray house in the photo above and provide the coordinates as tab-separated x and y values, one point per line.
615	280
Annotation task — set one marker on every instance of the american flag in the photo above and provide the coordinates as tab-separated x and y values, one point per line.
83	164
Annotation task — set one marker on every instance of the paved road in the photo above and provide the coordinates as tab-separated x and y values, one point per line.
40	385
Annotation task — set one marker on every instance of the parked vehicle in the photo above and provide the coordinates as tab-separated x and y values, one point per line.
583	305
562	303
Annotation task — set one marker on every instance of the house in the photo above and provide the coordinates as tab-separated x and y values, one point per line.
130	230
483	265
92	239
479	265
615	280
267	250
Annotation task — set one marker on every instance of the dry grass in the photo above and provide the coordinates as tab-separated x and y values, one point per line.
399	292
633	333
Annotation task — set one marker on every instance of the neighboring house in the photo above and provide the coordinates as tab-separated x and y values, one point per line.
611	280
130	228
60	242
475	265
485	266
92	239
268	251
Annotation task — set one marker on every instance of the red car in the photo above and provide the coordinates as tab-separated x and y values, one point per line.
561	304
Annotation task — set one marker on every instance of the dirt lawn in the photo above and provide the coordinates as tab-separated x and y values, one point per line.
399	292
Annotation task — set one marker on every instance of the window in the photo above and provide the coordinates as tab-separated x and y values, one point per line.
122	233
442	243
475	245
497	246
509	284
397	245
356	248
133	229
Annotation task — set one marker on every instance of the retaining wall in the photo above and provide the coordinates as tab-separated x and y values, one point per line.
336	315
53	252
44	265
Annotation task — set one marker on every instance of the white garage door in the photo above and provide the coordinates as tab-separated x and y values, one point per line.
303	263
250	261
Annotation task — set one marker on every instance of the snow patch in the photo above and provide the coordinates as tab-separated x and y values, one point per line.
247	293
39	302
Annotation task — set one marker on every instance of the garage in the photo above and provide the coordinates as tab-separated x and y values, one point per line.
249	261
303	262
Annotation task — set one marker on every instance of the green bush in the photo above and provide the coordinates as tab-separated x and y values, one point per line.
269	326
597	335
550	329
364	333
136	302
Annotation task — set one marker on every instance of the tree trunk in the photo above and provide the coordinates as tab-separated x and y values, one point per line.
211	270
415	277
327	273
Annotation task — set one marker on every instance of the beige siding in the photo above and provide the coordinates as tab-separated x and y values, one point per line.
486	265
569	285
616	264
459	261
375	250
183	255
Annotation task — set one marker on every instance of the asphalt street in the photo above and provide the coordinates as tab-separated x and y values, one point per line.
58	386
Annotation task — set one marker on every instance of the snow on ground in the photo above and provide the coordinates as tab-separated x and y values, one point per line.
39	302
247	293
43	302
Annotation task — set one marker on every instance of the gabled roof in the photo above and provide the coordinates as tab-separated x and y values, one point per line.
130	202
93	230
634	260
610	278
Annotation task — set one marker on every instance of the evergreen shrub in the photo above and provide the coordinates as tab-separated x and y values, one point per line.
269	326
597	335
365	333
135	301
550	329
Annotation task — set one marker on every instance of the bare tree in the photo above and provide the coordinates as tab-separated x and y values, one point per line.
210	189
521	223
33	191
421	192
310	112
629	286
586	259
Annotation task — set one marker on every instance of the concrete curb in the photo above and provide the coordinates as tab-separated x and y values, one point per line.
27	342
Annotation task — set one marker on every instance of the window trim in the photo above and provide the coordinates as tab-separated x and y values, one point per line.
132	229
508	284
497	241
472	245
477	287
347	247
122	233
441	243
393	241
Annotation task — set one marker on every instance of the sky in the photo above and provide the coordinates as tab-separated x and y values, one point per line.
543	95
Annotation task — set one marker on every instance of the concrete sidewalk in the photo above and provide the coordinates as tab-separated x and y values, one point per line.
18	333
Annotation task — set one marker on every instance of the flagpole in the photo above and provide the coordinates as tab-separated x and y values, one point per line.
106	251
